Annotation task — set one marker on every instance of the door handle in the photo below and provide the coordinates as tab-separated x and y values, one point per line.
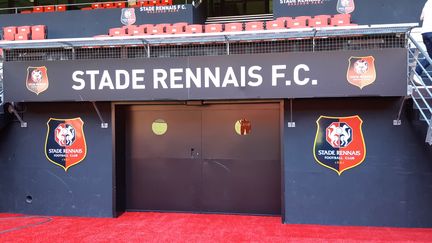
193	154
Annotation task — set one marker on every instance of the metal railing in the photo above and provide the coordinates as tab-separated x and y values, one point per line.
1	86
420	86
208	44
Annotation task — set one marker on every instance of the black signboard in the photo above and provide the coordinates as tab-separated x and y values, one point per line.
364	12
255	76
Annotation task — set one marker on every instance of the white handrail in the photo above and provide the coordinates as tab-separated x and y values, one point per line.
421	93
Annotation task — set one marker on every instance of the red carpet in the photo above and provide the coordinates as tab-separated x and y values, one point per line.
161	227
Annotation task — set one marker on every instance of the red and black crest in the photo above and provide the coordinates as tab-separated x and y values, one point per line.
37	79
345	6
245	127
361	71
65	143
128	16
339	143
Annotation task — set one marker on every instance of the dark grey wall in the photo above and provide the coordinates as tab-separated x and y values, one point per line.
392	187
84	190
80	23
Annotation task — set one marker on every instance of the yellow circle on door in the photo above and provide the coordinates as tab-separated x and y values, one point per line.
159	127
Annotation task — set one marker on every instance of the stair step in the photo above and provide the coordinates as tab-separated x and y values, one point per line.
422	118
423	91
422	104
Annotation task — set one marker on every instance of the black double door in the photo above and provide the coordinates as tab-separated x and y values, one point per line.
213	158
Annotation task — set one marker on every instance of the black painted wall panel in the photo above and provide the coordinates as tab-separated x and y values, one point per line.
392	187
80	23
84	190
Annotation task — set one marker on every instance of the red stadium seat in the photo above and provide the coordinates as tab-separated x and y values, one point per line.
275	25
194	28
49	9
21	36
251	26
145	3
120	5
109	5
154	2
146	28
135	30
166	2
319	21
177	28
233	27
341	20
150	29
38	32
97	5
61	8
298	22
24	30
158	29
38	9
117	32
9	33
133	5
161	28
213	28
284	20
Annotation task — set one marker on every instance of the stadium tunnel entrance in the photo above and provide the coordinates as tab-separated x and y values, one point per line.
212	157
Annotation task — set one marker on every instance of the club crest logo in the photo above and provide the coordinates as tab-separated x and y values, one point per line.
128	16
345	6
37	79
339	143
65	143
361	71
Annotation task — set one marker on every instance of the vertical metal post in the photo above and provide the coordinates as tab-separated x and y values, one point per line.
73	53
148	50
227	46
429	133
291	123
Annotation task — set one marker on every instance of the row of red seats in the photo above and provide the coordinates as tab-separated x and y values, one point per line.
317	21
279	23
105	5
41	9
147	3
152	3
35	32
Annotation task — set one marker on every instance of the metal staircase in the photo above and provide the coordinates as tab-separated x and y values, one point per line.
420	91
